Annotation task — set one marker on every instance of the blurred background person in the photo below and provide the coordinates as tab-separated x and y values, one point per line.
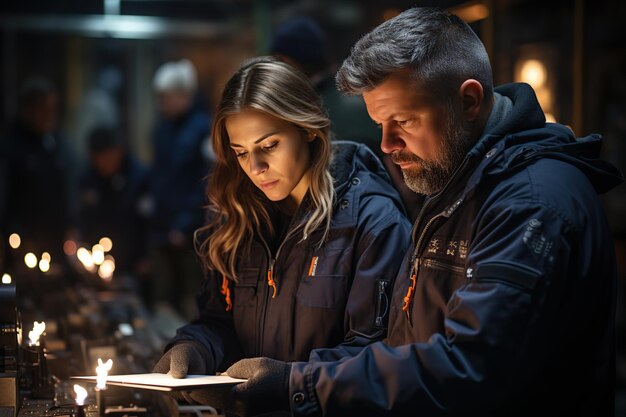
301	42
113	192
39	177
177	185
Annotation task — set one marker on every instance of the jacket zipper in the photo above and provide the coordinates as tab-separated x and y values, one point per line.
432	263
266	288
381	300
416	258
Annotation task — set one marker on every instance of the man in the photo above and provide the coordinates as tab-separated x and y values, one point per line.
506	302
178	185
113	192
40	174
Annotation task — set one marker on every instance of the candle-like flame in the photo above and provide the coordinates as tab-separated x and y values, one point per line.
102	370
81	394
6	278
33	335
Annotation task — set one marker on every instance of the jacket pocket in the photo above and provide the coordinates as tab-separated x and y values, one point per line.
322	291
517	275
245	288
442	266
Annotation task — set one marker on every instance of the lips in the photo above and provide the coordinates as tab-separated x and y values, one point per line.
267	185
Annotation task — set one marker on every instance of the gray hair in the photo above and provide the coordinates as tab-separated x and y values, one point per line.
441	49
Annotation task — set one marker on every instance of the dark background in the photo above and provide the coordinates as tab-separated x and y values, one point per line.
79	43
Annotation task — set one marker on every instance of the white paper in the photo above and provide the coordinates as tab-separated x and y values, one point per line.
164	382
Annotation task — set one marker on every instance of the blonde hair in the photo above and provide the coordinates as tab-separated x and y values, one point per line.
238	208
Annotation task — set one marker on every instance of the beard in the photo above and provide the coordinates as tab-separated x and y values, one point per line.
432	175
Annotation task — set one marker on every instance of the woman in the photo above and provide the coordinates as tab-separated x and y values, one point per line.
305	237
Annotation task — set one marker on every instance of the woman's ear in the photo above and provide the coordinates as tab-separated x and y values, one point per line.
472	96
310	136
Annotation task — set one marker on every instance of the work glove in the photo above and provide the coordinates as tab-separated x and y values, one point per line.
185	357
266	388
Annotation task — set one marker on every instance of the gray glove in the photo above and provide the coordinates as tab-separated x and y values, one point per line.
185	357
266	389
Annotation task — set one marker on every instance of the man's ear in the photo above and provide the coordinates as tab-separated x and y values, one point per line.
472	96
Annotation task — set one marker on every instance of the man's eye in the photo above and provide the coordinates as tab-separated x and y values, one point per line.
405	123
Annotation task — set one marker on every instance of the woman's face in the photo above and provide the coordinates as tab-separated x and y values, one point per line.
273	153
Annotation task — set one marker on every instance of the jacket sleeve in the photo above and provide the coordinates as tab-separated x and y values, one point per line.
500	329
213	328
382	237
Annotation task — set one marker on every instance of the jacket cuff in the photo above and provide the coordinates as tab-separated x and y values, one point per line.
302	398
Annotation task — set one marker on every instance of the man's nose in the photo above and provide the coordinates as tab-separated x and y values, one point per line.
391	141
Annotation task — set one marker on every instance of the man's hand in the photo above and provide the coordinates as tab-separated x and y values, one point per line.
186	357
266	388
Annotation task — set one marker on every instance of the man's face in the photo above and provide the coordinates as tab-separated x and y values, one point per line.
108	162
174	104
423	135
42	116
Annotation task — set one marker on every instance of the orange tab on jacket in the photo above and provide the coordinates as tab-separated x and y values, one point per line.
271	282
226	293
313	266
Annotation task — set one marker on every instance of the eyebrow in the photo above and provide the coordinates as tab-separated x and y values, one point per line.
267	135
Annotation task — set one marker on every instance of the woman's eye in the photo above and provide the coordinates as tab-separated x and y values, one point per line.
241	154
270	147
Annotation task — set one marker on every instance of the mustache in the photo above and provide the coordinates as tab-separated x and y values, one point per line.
399	157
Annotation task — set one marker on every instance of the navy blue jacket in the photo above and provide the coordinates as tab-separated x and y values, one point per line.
178	174
328	295
514	301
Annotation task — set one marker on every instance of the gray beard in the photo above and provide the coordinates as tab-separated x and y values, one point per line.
434	174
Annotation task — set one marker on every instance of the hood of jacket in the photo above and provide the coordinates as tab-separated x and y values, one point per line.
522	137
355	164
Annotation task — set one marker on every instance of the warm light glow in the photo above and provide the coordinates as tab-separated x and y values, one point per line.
102	370
30	260
84	256
106	269
390	13
6	278
97	254
69	247
46	257
33	335
44	265
471	12
534	73
81	394
106	243
550	118
15	241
